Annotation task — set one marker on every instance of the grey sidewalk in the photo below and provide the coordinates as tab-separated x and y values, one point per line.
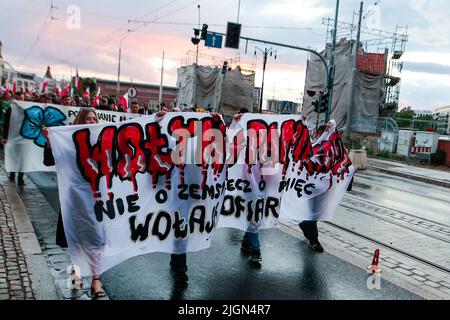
435	177
24	272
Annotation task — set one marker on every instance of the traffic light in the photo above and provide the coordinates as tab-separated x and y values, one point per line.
225	68
233	35
195	40
324	103
315	104
204	32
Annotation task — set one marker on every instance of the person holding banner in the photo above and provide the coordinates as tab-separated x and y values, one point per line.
309	228
85	116
178	264
250	243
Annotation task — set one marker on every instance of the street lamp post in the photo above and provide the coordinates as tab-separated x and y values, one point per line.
118	71
265	53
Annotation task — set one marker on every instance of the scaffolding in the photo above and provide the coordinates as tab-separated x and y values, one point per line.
391	45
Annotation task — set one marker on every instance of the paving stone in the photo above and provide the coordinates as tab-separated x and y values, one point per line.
432	284
419	273
403	271
432	279
419	278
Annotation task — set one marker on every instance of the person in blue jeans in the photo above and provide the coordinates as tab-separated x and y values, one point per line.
250	243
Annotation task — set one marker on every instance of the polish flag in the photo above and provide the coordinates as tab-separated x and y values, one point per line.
44	86
124	101
66	90
97	97
58	91
77	81
87	92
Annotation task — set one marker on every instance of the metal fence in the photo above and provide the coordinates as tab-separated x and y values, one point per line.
416	125
374	125
382	137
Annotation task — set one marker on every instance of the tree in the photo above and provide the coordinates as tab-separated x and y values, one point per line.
405	113
85	83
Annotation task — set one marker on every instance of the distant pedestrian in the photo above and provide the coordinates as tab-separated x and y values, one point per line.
145	111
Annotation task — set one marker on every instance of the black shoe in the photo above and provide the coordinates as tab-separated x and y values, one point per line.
246	248
256	257
21	183
12	177
316	246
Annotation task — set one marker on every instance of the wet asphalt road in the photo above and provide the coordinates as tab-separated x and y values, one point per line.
413	197
289	271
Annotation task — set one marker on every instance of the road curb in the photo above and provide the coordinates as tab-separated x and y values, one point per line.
438	183
42	282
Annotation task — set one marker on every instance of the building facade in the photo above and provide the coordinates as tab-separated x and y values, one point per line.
422	113
282	106
441	118
146	93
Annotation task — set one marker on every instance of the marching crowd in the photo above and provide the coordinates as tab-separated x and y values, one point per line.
87	115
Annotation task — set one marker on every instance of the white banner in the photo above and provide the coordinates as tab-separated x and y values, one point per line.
24	151
152	185
124	190
280	173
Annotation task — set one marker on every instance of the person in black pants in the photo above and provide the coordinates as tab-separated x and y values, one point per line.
178	263
12	175
311	233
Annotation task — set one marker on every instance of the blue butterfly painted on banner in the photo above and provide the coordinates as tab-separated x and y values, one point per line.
37	118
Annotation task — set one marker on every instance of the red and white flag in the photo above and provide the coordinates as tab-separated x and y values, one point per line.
77	81
44	86
66	90
124	101
14	86
97	97
58	91
87	92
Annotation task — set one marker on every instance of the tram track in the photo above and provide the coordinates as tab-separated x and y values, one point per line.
390	247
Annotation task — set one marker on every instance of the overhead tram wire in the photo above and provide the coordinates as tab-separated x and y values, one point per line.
145	25
111	36
369	12
49	18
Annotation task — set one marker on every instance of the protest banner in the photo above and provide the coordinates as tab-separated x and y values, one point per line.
139	186
163	185
24	150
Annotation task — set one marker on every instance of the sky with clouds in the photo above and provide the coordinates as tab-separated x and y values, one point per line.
35	36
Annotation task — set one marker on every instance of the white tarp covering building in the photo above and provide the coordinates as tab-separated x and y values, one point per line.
369	93
208	87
